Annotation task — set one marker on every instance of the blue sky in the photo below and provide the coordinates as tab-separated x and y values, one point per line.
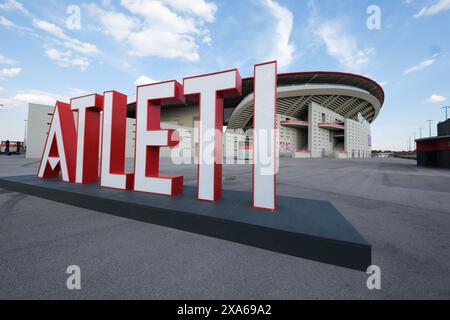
46	54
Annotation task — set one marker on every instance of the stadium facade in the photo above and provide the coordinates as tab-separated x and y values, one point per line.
319	114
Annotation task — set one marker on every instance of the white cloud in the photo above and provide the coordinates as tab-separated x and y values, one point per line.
435	98
9	24
5	22
116	24
207	40
9	103
339	42
76	92
50	28
439	6
71	43
167	28
166	34
10	72
2	88
56	54
39	97
282	49
80	62
201	8
13	5
163	44
106	3
160	16
66	58
144	80
343	46
6	60
422	65
81	47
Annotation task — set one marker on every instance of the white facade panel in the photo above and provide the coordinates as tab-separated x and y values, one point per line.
357	139
39	118
321	140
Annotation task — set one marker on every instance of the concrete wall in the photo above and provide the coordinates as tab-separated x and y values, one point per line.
357	136
180	116
288	137
39	117
440	159
233	141
320	140
444	128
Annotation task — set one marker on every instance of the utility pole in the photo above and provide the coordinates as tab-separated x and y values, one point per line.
446	112
429	123
25	138
420	132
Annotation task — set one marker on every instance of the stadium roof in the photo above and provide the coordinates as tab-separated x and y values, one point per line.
345	93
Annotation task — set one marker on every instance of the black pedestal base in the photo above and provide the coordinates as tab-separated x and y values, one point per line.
309	229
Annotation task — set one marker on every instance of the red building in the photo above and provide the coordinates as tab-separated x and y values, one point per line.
435	151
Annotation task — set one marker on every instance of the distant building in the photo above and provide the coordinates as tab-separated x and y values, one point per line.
435	151
11	147
382	154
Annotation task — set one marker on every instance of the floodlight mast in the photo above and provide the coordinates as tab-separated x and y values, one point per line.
446	112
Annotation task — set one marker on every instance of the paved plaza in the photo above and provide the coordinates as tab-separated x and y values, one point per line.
402	210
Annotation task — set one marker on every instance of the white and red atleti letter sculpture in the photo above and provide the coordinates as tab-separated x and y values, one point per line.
264	138
150	138
76	154
60	148
113	147
88	136
210	90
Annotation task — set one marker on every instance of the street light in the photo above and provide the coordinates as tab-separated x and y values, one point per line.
429	123
446	112
25	137
420	132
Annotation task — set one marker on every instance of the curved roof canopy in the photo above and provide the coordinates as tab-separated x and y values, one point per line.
344	93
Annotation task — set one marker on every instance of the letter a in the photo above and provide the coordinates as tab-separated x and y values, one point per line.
60	147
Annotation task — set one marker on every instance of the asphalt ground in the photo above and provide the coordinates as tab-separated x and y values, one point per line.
402	210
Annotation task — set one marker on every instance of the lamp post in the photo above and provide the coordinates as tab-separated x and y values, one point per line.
429	123
25	137
446	112
420	132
